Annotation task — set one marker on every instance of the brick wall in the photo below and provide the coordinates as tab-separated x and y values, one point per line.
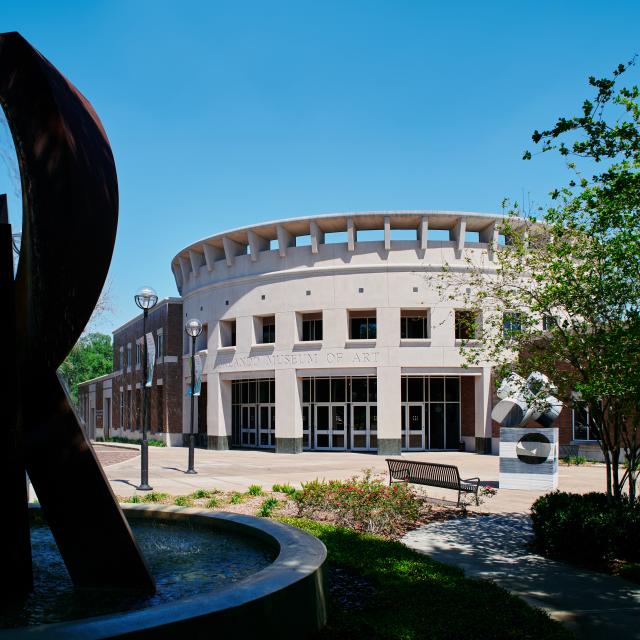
165	399
467	406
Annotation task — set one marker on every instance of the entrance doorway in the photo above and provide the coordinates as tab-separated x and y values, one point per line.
414	433
331	426
364	427
430	412
340	413
266	425
253	412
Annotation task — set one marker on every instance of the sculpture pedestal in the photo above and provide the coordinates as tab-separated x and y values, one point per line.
528	458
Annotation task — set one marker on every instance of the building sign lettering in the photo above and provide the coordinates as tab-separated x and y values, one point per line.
286	360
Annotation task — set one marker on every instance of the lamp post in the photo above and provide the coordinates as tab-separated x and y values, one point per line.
146	298
193	328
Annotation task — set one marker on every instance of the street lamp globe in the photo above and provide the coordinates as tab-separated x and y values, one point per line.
146	298
193	327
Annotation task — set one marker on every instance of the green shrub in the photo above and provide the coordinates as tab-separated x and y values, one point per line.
267	507
134	499
236	498
152	442
574	460
255	490
155	496
183	501
213	503
586	529
283	488
202	493
363	503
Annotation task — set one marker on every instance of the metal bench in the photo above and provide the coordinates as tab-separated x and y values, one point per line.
445	476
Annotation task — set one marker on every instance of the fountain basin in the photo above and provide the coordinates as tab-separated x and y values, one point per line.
285	599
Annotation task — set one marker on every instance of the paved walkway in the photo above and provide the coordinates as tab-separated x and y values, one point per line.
108	455
237	469
493	546
593	605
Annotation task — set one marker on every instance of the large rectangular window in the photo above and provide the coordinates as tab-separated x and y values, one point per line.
227	333
266	329
362	325
511	324
582	425
160	346
466	324
159	391
414	324
311	327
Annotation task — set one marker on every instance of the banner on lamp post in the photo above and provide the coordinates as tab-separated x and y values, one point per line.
151	358
198	384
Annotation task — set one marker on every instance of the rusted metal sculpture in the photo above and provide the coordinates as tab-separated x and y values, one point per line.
70	215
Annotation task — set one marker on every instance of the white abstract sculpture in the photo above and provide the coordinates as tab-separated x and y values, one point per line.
523	401
528	457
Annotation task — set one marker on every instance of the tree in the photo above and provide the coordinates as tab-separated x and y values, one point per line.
563	294
92	356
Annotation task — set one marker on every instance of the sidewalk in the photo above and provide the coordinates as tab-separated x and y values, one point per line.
235	470
593	605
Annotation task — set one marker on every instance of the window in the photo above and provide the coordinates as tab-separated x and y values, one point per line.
414	325
227	333
267	332
511	324
138	353
548	322
311	327
127	410
159	390
466	324
122	420
121	359
582	426
160	346
129	356
362	325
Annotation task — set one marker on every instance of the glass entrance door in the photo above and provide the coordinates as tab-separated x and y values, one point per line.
307	428
266	425
248	425
330	426
364	427
413	427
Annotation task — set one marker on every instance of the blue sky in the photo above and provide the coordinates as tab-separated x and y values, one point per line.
222	114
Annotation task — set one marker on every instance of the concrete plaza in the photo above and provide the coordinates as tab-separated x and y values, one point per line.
235	470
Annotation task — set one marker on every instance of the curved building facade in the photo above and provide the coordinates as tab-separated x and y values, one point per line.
323	333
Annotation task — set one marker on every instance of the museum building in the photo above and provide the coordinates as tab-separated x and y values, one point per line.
324	333
319	333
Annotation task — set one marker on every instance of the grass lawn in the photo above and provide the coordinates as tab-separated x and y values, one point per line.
382	589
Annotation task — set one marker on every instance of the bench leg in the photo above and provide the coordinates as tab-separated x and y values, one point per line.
458	498
477	501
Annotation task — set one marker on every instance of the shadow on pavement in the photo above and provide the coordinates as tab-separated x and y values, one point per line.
496	547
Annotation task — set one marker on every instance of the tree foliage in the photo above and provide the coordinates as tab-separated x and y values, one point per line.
562	296
92	356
